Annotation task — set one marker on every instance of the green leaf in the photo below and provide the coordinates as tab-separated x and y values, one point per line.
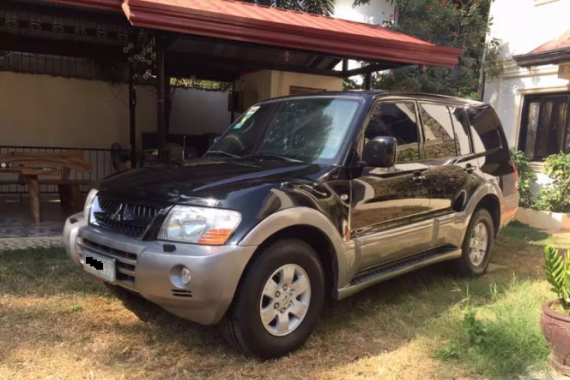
555	269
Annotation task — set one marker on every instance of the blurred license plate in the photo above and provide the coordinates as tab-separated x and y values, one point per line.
99	266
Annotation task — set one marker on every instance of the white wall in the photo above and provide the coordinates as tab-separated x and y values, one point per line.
41	110
374	13
524	25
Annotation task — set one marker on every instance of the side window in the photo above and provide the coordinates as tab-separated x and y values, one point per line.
438	131
461	128
484	131
397	120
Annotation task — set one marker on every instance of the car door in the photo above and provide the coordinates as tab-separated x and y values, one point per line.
389	205
453	167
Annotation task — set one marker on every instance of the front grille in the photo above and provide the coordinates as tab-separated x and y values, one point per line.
125	262
122	217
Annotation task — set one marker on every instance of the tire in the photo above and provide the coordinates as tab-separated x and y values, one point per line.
475	265
243	326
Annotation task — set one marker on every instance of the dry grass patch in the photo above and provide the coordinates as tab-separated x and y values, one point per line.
54	316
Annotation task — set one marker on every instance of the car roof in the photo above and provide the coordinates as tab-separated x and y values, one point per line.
376	94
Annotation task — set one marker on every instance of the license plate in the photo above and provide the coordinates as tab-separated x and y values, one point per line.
99	266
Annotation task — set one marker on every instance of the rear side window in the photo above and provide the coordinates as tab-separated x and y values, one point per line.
397	120
438	131
484	130
461	128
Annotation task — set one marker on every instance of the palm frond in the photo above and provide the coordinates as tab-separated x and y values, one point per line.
320	7
555	269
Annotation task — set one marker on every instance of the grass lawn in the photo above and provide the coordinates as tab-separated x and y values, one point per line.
427	325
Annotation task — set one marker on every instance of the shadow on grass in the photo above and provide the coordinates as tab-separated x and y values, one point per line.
379	320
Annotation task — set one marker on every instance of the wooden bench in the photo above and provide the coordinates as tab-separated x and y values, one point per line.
69	189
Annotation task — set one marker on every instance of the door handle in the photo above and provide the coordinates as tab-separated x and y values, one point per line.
418	176
469	168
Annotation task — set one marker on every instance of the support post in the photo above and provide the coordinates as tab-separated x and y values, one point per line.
160	90
233	97
368	81
132	114
344	65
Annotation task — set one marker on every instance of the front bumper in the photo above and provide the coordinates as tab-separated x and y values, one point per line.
144	267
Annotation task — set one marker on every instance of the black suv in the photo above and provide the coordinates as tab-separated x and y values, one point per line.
302	198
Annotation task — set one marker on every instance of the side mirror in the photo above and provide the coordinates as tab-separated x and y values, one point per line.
380	152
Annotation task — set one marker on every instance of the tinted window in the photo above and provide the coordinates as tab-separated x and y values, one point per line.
308	129
397	120
438	131
461	128
484	131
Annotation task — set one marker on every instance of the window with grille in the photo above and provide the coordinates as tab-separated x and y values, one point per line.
545	127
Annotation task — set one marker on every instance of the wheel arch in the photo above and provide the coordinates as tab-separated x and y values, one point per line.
489	197
313	228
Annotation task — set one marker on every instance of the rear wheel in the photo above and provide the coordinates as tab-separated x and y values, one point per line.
476	249
278	301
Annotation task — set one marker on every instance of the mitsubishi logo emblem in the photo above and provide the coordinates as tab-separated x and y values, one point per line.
117	215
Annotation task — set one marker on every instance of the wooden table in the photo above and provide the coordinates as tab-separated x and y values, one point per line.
69	191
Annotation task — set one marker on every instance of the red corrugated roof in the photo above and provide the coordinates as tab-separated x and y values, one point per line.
560	42
238	21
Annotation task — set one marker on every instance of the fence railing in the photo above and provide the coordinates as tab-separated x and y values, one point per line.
100	160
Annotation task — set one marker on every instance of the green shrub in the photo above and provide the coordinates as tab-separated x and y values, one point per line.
558	274
526	177
554	197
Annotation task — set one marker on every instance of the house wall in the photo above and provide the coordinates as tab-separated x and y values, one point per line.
524	25
374	13
41	110
281	82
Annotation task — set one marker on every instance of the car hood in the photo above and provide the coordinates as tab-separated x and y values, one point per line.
194	180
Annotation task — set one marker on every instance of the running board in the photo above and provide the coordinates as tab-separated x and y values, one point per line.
387	272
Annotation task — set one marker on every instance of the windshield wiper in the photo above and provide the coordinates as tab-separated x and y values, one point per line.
271	156
222	153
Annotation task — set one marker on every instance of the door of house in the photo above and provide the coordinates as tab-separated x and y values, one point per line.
545	125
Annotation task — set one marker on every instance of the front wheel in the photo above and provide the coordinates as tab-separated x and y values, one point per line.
476	249
278	301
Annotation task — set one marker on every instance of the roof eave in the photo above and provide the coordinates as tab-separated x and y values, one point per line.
110	5
550	57
183	20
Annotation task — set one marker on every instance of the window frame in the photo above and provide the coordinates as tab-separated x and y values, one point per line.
376	103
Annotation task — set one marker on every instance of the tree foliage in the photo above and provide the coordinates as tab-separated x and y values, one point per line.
461	24
526	177
556	195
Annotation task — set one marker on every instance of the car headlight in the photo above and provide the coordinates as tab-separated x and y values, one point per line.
88	202
202	225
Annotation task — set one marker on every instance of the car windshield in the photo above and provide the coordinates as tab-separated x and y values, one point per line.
310	129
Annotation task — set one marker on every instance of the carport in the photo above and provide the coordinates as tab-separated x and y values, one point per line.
154	40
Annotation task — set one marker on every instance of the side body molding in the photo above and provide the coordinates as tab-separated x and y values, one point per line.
304	216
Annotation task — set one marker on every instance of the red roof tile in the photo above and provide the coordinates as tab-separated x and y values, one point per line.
560	42
238	21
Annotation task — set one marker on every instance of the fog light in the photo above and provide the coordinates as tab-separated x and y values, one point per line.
185	275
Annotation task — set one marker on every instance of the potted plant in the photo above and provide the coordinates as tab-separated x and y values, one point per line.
555	321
